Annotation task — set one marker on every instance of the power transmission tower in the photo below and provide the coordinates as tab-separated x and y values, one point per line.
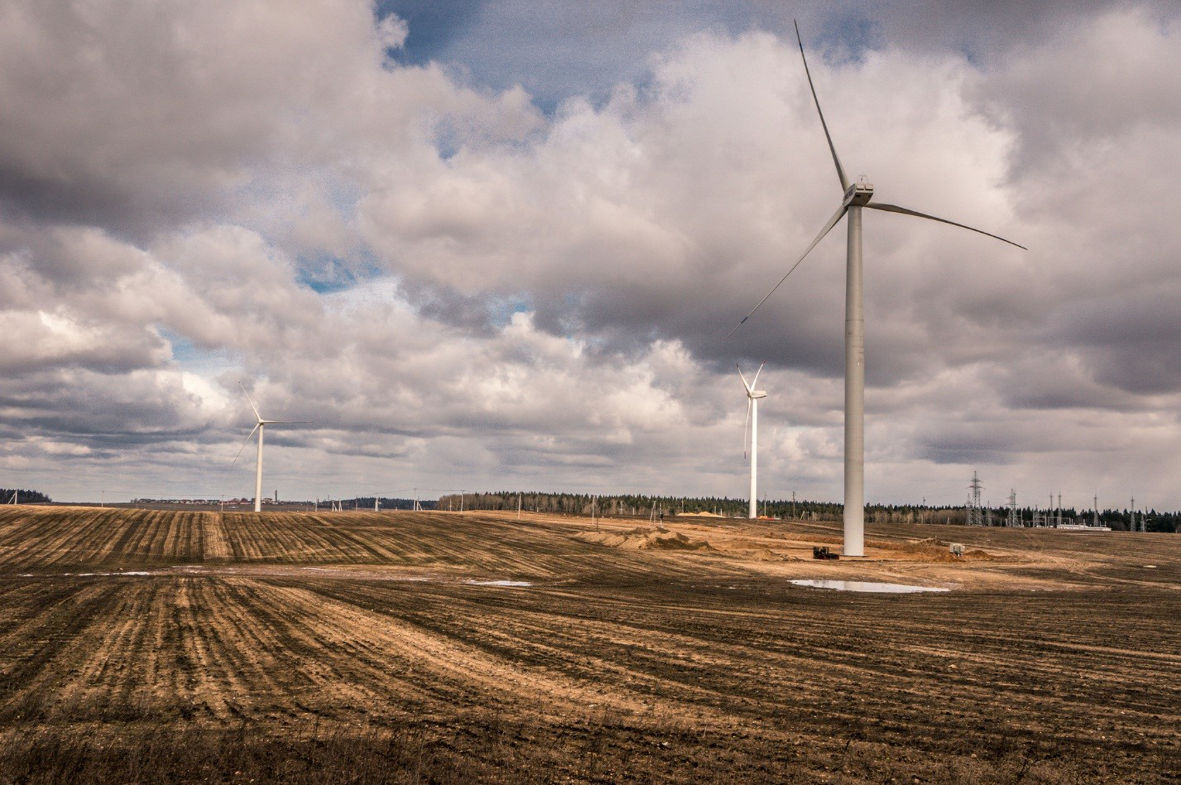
975	515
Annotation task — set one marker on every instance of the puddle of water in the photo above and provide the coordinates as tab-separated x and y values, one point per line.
499	583
866	586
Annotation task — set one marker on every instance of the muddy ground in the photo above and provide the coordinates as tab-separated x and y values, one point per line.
161	646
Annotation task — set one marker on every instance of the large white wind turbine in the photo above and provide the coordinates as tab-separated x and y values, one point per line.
856	195
752	422
258	426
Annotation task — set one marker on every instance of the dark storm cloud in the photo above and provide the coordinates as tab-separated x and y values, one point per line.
103	410
1130	343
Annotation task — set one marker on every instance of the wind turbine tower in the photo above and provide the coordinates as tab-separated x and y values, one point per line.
752	421
855	196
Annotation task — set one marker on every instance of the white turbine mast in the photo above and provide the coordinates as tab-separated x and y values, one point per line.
259	426
855	196
752	426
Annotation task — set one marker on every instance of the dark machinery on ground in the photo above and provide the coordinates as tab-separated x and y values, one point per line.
822	552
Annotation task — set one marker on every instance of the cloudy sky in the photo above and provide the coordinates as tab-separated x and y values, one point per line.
500	245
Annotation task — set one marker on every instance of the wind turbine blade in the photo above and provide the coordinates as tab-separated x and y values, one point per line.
893	208
827	228
243	447
250	401
748	385
755	380
831	147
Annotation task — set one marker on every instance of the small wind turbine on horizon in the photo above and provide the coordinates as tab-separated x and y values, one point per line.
258	426
855	196
752	423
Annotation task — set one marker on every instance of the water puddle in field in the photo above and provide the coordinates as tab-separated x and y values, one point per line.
866	586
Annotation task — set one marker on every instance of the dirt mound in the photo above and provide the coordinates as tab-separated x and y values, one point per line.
769	555
672	541
610	539
928	549
643	539
926	545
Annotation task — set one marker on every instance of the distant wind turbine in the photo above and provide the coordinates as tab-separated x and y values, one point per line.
856	195
259	426
752	422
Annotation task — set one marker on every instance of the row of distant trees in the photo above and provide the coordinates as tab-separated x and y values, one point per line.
619	505
23	495
1118	520
643	506
386	503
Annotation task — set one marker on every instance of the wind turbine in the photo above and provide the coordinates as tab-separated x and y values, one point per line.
258	426
752	422
855	196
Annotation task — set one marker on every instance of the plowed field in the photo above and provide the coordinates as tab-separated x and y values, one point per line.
160	646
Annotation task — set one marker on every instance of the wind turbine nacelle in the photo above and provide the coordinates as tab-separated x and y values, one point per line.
757	394
859	194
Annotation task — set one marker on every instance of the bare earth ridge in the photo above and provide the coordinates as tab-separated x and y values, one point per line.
166	646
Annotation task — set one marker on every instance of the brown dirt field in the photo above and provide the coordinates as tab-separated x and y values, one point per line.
162	646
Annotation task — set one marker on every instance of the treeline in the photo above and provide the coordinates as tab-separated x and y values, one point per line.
1117	520
620	505
23	496
643	506
386	503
